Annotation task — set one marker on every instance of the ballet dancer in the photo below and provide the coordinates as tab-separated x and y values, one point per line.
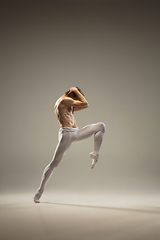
73	100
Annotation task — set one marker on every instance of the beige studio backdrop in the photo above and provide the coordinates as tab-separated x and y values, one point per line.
110	49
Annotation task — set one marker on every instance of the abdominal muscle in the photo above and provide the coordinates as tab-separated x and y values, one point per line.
65	115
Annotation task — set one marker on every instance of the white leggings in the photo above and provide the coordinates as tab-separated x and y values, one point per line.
66	137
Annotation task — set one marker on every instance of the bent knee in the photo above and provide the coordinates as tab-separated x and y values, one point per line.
102	127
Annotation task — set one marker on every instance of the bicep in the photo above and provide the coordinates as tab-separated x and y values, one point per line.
74	103
78	104
67	101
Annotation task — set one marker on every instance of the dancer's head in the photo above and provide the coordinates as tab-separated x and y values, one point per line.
72	94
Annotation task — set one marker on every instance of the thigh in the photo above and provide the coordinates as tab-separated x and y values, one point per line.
63	144
87	131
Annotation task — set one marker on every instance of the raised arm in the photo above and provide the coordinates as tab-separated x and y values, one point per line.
79	102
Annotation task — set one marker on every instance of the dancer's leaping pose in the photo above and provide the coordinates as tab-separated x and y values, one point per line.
72	100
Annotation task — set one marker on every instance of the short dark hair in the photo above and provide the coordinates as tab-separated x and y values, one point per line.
67	93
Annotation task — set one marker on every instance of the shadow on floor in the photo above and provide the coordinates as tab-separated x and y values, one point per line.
155	210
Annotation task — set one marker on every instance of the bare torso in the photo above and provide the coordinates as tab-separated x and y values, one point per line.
64	114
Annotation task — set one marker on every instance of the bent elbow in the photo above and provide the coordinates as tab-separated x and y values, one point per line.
86	105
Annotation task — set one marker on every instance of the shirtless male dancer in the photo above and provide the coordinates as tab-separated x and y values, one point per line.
72	100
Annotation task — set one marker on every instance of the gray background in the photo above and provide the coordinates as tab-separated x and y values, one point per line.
110	49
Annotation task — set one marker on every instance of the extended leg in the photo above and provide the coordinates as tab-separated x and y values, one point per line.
62	147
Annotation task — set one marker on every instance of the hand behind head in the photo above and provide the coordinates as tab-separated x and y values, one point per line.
73	89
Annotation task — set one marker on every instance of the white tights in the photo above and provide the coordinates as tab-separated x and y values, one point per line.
66	137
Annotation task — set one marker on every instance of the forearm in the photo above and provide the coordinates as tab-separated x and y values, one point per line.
80	97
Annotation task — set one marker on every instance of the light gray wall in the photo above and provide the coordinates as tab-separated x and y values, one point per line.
110	49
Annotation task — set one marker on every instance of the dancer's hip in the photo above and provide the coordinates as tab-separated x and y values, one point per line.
68	129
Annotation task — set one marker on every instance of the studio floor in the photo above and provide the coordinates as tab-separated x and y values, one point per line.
75	216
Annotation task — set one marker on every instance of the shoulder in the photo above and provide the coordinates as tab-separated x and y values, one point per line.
63	101
67	101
